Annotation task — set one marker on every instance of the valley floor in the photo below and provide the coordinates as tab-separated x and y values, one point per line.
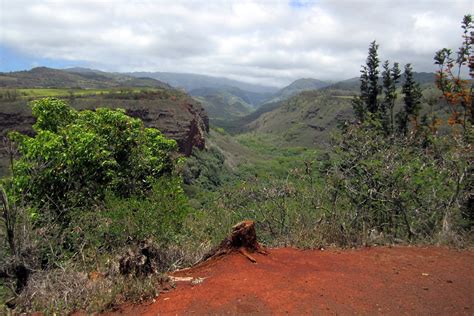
379	280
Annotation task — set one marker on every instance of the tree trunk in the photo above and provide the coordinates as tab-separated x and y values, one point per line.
243	239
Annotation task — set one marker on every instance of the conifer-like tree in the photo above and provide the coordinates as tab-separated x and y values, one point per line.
373	87
390	77
369	85
412	99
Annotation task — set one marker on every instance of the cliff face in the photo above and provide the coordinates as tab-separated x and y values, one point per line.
174	113
186	122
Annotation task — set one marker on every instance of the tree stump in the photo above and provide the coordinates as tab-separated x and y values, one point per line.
243	239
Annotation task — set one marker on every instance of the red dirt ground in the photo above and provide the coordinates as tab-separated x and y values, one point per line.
399	280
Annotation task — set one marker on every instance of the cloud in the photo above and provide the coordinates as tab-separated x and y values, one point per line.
268	42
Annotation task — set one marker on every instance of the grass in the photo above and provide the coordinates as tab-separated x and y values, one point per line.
5	294
62	92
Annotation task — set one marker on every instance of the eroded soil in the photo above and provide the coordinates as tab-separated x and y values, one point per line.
398	280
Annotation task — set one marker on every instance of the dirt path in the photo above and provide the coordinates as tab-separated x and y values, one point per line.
401	280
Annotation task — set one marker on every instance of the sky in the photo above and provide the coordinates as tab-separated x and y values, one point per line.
263	42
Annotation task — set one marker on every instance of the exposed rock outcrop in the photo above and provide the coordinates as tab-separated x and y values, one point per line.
186	122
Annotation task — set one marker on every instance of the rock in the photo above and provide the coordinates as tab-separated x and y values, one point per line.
185	121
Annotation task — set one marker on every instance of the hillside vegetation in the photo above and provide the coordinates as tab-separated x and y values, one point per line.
224	106
306	119
43	77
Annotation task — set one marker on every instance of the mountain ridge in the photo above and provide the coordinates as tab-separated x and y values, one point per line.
190	81
44	77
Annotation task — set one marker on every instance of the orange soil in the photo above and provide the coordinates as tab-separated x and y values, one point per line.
399	280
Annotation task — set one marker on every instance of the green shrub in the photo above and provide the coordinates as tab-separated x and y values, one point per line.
205	169
75	157
158	217
402	188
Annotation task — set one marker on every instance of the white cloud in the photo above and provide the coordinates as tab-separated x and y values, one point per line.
267	42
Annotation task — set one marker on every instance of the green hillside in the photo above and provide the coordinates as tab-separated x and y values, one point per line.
306	119
224	106
297	86
255	99
79	78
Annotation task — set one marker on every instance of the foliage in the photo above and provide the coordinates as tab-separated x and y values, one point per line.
157	217
87	184
369	85
396	187
458	92
205	169
76	156
284	210
8	95
412	99
390	78
378	101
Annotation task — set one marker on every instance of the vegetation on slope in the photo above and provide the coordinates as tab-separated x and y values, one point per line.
43	77
224	106
297	86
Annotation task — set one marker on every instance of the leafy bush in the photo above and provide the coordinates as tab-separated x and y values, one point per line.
75	157
205	169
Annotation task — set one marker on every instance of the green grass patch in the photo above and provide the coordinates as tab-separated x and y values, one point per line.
68	92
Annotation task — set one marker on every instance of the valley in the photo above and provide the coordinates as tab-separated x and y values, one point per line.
134	191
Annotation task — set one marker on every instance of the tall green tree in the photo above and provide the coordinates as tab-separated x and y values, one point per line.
390	79
367	102
373	87
412	99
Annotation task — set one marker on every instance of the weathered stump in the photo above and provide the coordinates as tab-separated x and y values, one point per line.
243	239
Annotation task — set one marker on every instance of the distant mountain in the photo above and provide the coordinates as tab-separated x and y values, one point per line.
194	81
272	102
43	77
300	85
424	78
308	118
252	98
352	84
222	105
228	103
240	125
229	106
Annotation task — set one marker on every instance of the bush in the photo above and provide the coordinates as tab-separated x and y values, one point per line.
158	217
406	189
205	169
370	189
75	157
